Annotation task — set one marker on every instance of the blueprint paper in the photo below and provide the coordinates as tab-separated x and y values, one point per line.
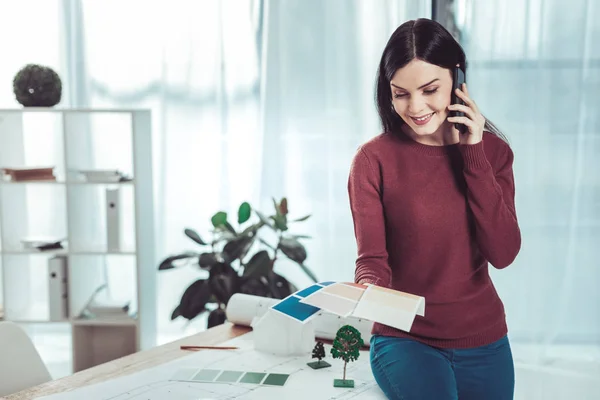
157	383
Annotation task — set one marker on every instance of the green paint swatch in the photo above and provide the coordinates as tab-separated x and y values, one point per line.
229	376
206	375
253	377
276	379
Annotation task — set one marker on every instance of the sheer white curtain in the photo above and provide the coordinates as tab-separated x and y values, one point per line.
534	70
252	100
196	65
320	60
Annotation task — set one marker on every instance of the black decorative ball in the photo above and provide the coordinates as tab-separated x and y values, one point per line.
37	86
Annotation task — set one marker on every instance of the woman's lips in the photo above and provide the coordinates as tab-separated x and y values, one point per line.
423	119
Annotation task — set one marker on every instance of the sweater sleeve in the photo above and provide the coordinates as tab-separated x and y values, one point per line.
364	190
491	198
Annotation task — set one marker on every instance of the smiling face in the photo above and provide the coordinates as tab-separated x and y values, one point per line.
421	94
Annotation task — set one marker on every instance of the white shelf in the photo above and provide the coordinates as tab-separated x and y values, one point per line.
73	110
32	183
67	252
25	252
104	321
37	322
102	183
66	183
72	139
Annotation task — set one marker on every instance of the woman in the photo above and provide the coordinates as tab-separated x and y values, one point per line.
431	208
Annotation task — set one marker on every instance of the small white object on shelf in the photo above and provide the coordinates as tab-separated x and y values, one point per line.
113	219
58	290
104	175
36	242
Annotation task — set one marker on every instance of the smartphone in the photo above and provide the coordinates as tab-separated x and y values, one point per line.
458	79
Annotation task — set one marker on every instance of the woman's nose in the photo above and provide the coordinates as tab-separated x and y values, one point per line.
415	105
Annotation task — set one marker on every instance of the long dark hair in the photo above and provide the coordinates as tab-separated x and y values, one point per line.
426	40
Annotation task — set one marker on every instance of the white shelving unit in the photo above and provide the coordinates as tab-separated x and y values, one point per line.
74	209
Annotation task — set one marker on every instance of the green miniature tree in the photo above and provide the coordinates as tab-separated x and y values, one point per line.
319	354
346	346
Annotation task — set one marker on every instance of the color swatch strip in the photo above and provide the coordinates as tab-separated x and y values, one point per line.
339	298
207	375
352	293
293	307
391	298
335	304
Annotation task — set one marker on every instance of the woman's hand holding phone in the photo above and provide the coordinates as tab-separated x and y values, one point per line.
473	119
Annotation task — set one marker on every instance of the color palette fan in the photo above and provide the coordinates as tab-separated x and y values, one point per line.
386	306
293	308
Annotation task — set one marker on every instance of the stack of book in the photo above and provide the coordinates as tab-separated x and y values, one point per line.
29	174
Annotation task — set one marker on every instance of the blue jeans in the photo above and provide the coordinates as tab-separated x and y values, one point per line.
406	369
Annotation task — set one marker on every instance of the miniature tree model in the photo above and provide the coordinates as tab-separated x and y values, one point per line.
318	353
346	346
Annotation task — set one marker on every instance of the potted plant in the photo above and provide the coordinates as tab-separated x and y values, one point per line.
238	260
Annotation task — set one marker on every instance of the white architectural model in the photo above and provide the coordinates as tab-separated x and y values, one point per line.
276	334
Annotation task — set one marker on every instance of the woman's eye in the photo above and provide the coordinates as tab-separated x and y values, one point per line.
430	91
398	95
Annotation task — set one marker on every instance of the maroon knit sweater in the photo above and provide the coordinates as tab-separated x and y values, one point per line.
427	221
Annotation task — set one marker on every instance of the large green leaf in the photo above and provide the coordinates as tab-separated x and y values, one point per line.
193	300
252	229
279	286
216	317
223	281
293	249
280	221
176	313
237	248
301	236
276	206
192	234
230	228
283	206
259	265
219	219
223	269
255	286
170	262
302	218
207	260
244	212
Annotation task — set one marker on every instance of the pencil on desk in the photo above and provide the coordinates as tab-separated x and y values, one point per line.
208	348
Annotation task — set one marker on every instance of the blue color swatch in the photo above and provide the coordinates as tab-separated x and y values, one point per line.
293	308
309	290
326	283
